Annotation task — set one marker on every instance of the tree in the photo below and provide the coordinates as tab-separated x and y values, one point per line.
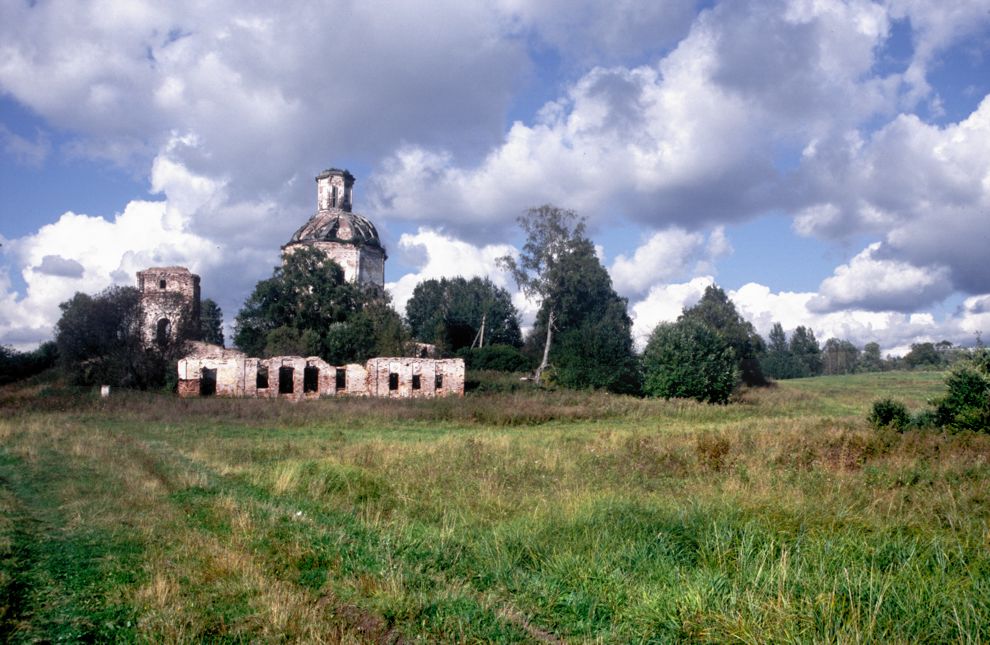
449	313
840	357
778	362
689	359
806	352
923	355
558	266
210	322
551	234
309	308
15	365
871	360
716	310
100	340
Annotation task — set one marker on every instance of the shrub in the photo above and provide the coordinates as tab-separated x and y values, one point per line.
888	413
966	404
498	358
687	359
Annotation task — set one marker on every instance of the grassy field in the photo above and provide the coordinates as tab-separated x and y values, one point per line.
546	517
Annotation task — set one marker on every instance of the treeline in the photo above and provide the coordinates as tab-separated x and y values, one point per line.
581	337
801	356
16	366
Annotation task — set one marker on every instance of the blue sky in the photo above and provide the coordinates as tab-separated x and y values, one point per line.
825	162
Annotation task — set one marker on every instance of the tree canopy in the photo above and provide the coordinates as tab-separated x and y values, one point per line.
449	312
100	340
806	352
210	322
308	308
718	312
559	267
689	359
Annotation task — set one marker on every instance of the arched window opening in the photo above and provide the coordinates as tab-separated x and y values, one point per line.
161	283
261	381
393	381
163	331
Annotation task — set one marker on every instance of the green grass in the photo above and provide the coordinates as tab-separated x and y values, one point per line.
513	517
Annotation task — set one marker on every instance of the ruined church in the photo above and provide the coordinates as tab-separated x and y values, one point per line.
347	238
170	300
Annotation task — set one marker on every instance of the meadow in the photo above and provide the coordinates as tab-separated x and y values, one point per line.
512	517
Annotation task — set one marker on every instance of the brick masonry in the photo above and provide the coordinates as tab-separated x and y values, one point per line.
228	373
169	294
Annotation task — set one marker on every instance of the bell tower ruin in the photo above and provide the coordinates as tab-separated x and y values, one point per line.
169	304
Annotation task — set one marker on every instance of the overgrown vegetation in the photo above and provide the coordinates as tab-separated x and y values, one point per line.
582	328
16	366
530	516
964	405
307	308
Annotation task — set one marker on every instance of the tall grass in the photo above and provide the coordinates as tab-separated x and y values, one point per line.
527	516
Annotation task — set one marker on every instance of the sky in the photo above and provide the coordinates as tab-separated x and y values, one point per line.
826	162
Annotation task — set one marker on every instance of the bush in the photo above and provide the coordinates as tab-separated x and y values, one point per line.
497	358
966	404
888	413
687	359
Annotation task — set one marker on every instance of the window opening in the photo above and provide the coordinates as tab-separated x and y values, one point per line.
261	382
207	382
393	381
415	381
311	379
438	382
341	378
285	375
162	331
161	284
333	197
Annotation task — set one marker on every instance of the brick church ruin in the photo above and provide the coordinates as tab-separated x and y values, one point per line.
170	301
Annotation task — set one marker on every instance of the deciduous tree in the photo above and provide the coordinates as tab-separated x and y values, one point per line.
689	359
331	317
449	313
716	310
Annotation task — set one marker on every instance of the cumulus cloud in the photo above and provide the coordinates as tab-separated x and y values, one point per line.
872	283
664	303
691	140
104	252
667	255
438	255
936	27
267	92
925	188
56	265
587	30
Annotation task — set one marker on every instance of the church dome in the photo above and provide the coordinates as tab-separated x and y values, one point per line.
337	225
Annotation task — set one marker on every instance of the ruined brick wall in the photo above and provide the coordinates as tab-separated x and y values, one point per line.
169	294
398	377
234	375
